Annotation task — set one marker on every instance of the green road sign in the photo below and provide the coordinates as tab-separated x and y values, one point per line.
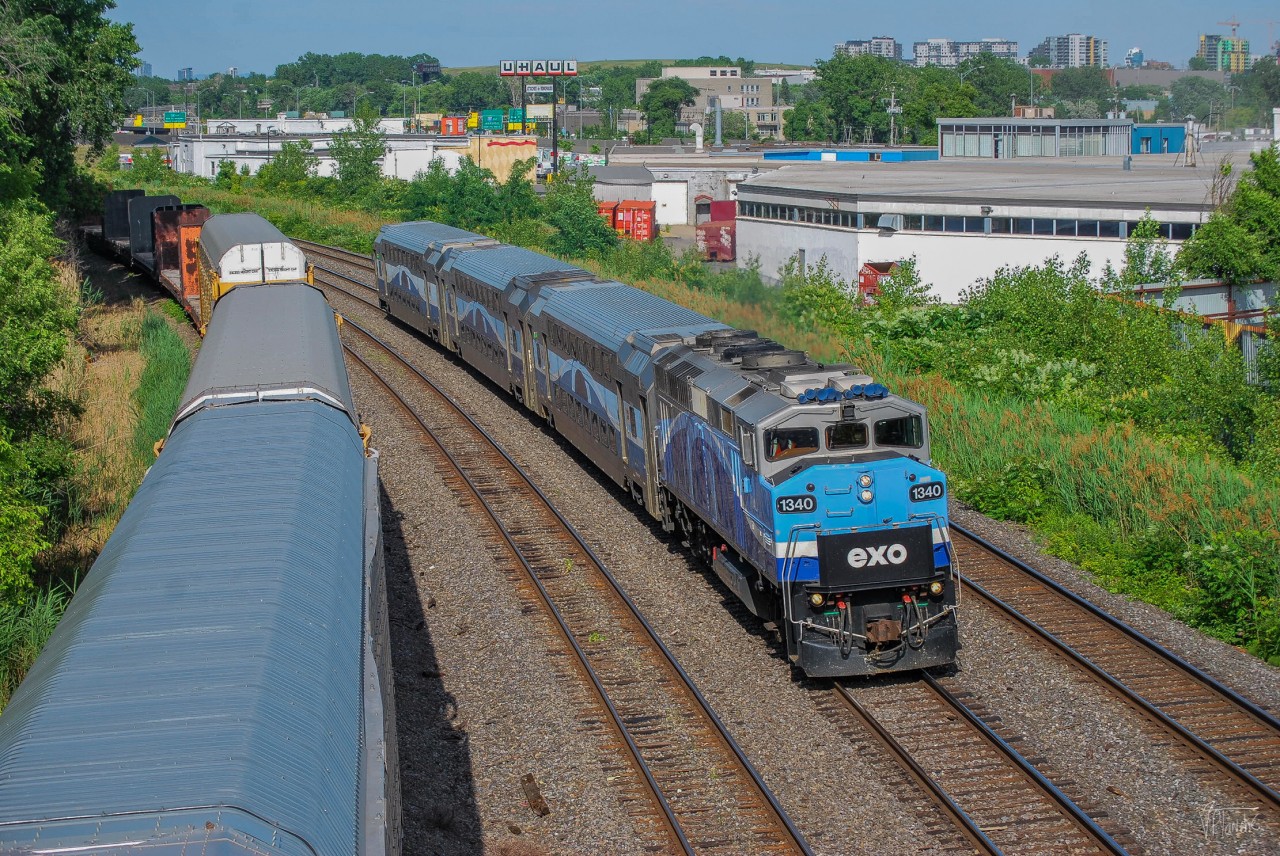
175	116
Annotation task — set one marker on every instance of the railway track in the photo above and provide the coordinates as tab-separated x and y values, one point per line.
690	786
999	801
1233	735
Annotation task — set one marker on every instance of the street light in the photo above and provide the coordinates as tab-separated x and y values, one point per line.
404	98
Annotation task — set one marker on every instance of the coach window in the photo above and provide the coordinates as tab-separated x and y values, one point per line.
847	435
905	431
780	443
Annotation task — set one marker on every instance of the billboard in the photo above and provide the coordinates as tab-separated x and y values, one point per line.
538	68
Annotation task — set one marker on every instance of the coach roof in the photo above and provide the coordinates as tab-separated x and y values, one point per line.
224	232
424	235
296	325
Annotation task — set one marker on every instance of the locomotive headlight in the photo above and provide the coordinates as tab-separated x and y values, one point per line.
935	588
864	480
866	496
817	599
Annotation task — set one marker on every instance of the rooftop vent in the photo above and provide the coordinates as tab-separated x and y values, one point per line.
774	360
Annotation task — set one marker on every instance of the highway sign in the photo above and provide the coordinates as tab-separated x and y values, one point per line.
175	119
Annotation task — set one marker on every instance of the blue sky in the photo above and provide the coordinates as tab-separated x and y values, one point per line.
258	35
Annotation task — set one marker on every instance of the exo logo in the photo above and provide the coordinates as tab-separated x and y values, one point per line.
894	554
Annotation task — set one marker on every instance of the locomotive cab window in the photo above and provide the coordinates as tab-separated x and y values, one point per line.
904	431
847	435
782	443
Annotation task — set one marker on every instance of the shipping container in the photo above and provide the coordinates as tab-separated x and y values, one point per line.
871	274
723	209
636	220
609	212
453	126
717	239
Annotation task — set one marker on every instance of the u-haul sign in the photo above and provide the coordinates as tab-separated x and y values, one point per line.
538	68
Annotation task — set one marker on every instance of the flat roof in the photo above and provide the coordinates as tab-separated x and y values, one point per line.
1062	182
1025	122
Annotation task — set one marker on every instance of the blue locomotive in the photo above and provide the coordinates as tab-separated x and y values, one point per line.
806	487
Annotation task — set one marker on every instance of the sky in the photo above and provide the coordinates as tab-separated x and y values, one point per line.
258	35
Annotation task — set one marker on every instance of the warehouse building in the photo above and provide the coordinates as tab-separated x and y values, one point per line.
961	220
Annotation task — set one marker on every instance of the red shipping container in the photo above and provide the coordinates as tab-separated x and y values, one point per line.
636	220
871	274
716	240
723	209
608	211
453	126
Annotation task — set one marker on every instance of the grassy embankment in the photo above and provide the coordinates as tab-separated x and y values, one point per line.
126	369
1181	528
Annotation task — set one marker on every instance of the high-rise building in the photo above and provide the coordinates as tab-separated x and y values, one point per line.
1072	51
185	74
1224	53
1134	58
143	70
882	46
949	54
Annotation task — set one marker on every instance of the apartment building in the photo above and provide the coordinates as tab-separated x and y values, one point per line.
881	46
1073	50
949	53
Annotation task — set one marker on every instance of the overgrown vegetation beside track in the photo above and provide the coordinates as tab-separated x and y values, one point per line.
1124	434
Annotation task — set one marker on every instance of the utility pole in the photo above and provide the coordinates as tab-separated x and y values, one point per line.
893	110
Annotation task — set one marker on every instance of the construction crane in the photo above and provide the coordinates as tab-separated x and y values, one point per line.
1271	34
1233	24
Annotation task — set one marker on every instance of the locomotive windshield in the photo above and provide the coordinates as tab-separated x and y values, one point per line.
847	435
904	431
782	443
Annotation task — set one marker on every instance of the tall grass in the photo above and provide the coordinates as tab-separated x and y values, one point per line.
164	376
24	629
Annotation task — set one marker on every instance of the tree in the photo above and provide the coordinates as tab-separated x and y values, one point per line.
662	101
995	80
808	120
1078	83
571	207
65	69
289	170
1241	241
357	151
1198	63
1194	96
472	90
851	87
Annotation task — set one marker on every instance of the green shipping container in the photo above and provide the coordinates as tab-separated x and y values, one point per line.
491	120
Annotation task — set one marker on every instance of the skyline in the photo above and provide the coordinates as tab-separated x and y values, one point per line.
661	29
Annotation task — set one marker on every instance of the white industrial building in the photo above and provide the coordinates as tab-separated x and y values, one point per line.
962	221
406	154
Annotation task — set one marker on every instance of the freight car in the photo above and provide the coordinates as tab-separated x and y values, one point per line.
195	256
806	487
221	681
